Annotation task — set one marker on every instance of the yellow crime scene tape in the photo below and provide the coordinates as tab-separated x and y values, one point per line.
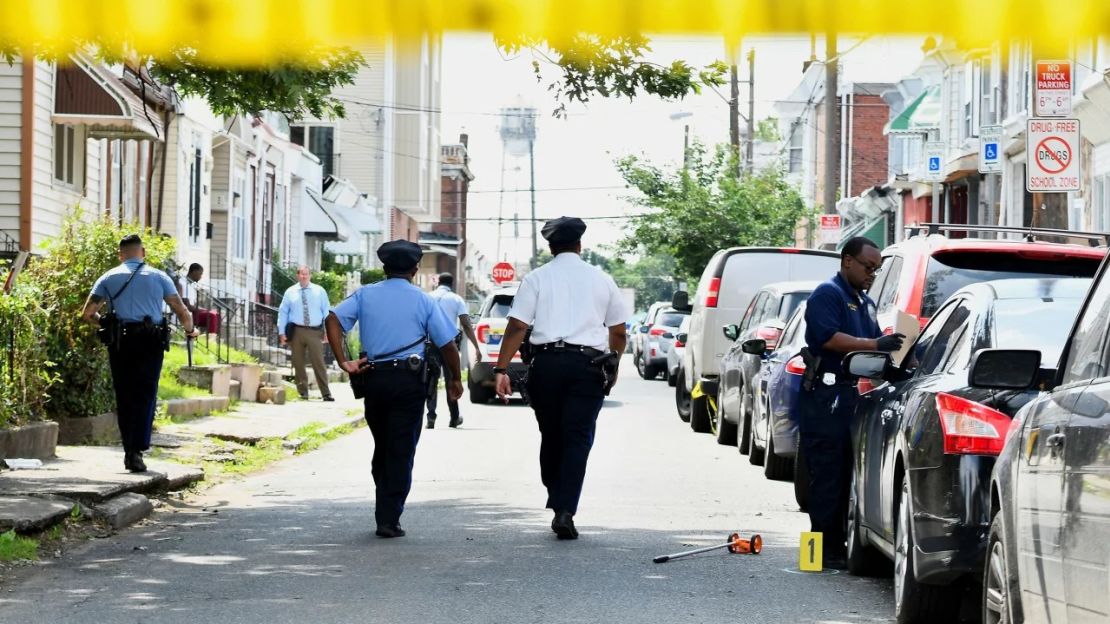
252	32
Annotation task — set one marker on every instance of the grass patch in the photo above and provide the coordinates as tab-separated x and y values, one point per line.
15	547
291	394
248	459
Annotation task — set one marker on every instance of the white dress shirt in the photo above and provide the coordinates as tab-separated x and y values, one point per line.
570	300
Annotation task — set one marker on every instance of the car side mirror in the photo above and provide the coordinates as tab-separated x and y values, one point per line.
681	337
644	329
681	301
755	346
1005	369
732	332
867	364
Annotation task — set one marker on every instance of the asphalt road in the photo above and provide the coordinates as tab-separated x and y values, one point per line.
296	543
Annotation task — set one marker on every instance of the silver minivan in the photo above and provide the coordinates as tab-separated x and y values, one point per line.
727	285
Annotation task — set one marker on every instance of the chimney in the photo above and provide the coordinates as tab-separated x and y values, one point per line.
464	138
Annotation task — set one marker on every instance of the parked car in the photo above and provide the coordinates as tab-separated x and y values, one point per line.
657	340
677	351
925	441
490	329
637	337
728	283
765	319
774	420
1048	548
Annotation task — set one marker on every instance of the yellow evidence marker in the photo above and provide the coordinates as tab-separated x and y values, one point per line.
811	551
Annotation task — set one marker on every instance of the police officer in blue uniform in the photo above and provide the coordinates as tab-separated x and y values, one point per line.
395	318
840	319
577	317
137	337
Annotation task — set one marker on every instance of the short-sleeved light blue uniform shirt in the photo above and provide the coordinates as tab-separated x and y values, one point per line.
142	298
392	314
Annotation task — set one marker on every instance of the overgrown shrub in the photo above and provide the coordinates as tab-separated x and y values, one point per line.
371	276
334	283
26	374
64	276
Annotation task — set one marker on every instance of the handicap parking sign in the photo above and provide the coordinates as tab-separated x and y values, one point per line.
990	151
934	164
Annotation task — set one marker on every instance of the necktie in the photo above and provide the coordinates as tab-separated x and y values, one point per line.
304	306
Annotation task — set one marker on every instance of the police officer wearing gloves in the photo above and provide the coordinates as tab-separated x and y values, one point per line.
840	319
137	336
395	318
577	318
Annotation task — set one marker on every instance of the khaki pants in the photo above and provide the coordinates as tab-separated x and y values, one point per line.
310	341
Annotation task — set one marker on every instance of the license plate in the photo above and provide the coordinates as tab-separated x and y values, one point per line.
494	338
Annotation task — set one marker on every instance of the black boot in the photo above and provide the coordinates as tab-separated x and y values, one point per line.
563	525
137	464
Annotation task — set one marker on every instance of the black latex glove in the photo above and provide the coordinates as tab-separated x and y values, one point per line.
890	343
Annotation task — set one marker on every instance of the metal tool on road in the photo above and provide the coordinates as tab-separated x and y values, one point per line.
735	544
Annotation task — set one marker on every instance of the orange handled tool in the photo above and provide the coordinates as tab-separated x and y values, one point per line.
735	544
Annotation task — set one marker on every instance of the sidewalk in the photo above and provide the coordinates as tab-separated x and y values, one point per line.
92	478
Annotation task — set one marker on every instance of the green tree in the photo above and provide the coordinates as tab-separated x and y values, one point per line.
693	211
767	130
610	66
651	275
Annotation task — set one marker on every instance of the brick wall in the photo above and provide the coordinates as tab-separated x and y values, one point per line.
404	227
870	148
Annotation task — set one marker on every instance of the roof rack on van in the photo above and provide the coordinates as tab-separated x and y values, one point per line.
1094	239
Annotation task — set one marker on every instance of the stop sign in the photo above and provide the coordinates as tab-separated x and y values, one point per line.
503	272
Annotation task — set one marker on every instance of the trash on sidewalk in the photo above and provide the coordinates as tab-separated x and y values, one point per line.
22	464
735	544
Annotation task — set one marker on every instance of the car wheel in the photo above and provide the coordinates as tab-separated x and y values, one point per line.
480	394
681	397
640	366
863	560
916	602
700	415
744	435
671	379
777	468
725	431
755	454
1000	585
801	480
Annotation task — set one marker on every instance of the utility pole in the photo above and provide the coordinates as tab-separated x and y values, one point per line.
734	117
532	192
832	123
751	111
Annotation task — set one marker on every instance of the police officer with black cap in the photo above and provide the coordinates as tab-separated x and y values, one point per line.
577	321
840	319
137	337
395	318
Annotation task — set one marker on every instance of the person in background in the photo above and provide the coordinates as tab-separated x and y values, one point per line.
455	308
301	325
208	320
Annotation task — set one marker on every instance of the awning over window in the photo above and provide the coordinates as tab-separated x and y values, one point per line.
87	93
922	115
321	219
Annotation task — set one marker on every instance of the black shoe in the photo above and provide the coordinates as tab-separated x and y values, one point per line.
431	424
563	525
304	397
127	460
329	399
385	530
455	422
137	464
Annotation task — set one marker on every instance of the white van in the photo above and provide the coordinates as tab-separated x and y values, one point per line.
730	280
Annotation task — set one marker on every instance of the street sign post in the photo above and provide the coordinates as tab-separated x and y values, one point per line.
503	272
990	149
830	229
1052	146
934	161
1052	89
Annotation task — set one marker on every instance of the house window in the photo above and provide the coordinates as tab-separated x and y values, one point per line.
796	137
970	94
1021	62
238	222
69	156
195	165
1100	209
320	141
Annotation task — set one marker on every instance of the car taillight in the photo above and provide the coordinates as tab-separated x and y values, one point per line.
971	428
713	293
657	331
770	335
679	343
796	365
483	332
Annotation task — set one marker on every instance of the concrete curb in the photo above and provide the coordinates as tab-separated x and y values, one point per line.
352	421
124	510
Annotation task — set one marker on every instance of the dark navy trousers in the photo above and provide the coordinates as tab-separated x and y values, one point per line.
394	411
566	393
136	366
825	416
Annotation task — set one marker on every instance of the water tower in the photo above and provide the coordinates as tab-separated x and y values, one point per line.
518	138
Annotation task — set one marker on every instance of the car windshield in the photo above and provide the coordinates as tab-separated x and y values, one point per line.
951	271
500	306
790	302
1035	324
670	319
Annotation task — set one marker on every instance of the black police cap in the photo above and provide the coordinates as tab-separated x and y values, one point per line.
128	241
400	255
564	230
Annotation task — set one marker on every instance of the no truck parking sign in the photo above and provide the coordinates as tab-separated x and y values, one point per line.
1052	147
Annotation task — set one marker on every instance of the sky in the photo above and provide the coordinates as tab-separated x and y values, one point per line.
574	157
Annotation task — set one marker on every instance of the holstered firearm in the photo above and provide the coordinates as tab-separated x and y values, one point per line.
609	363
812	363
526	350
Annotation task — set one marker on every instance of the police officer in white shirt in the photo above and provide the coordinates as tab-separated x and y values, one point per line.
577	317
